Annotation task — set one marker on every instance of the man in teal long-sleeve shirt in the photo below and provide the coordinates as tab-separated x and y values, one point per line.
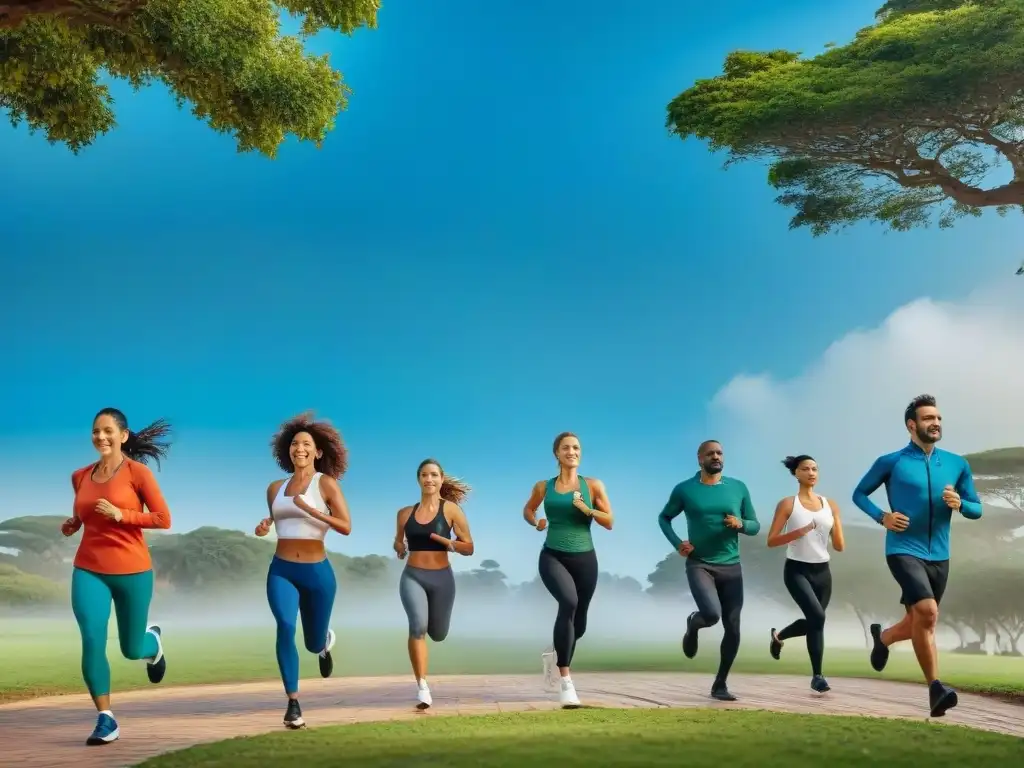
717	510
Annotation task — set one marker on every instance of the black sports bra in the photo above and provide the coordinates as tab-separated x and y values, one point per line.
417	534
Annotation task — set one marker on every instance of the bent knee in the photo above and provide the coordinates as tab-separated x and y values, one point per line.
711	618
438	635
926	613
132	651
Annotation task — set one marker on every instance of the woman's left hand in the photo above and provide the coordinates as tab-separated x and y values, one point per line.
107	509
580	504
442	540
305	506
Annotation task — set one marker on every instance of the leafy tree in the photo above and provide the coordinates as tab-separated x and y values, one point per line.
227	59
903	125
487	577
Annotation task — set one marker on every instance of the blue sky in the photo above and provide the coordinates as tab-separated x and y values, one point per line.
498	242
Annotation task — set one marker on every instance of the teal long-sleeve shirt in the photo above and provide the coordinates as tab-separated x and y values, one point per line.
705	508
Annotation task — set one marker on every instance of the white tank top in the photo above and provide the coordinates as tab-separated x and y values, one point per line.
291	522
813	547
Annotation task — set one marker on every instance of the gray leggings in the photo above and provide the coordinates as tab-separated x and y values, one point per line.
428	597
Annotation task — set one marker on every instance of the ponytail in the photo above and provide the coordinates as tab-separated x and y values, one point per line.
454	490
148	443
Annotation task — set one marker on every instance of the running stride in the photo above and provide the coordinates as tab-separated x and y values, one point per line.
717	509
300	580
568	562
427	532
924	485
810	522
113	562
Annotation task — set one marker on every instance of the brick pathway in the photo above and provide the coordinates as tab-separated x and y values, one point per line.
49	732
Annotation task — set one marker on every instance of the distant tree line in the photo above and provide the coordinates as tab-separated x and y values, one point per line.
985	596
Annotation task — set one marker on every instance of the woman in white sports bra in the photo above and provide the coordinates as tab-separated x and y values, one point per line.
303	508
805	524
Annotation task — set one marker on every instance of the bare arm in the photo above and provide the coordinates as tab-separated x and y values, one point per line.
339	519
533	503
602	511
263	527
399	543
838	542
462	541
783	510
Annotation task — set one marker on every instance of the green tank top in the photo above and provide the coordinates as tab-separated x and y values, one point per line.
568	528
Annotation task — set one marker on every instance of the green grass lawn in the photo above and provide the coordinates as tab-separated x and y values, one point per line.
600	737
40	658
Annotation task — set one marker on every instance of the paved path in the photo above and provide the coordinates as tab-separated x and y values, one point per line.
50	732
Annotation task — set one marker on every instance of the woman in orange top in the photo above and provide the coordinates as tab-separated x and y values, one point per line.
113	564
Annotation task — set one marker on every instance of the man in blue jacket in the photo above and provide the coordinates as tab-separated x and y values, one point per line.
925	486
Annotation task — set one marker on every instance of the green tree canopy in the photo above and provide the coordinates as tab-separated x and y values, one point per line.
226	59
905	124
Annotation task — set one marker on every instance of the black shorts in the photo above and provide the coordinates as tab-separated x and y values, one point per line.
919	579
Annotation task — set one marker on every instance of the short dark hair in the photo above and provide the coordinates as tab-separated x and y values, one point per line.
326	438
921	401
452	488
145	444
705	444
792	463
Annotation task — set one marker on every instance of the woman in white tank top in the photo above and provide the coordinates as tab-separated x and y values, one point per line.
303	508
805	524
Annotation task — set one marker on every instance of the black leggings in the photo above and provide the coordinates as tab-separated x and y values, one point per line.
571	578
810	585
718	592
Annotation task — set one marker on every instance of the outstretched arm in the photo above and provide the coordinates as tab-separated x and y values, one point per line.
672	509
148	489
970	502
870	483
751	525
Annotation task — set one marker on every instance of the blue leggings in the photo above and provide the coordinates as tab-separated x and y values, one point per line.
305	589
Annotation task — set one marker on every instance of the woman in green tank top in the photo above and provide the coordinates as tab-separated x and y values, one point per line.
568	562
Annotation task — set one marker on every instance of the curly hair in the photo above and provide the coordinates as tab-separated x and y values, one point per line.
452	488
142	445
334	458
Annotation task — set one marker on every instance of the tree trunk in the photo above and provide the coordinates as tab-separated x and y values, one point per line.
957	627
14	12
865	625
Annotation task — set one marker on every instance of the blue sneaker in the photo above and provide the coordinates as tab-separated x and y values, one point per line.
156	668
105	731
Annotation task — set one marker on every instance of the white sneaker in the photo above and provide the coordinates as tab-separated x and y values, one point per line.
567	695
423	695
547	660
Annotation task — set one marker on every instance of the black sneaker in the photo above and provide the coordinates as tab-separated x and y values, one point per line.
819	684
324	658
293	715
721	692
774	645
879	651
941	698
156	669
690	637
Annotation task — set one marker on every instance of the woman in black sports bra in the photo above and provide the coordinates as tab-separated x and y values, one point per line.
427	532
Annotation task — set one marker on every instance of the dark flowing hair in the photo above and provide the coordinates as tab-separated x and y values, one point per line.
326	438
792	463
452	488
147	443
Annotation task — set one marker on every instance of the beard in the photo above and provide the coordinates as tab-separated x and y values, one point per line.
712	467
926	437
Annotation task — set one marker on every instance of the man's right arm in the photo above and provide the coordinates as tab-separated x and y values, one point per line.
870	483
673	508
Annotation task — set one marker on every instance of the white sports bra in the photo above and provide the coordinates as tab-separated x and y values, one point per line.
291	522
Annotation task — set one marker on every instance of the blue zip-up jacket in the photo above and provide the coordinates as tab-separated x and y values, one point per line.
914	482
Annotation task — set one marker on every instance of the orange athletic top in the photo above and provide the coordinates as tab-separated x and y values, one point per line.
118	548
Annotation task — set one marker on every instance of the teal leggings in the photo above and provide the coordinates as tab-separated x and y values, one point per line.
91	595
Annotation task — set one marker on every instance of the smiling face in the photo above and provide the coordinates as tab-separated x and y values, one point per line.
107	436
303	451
807	473
430	478
568	451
